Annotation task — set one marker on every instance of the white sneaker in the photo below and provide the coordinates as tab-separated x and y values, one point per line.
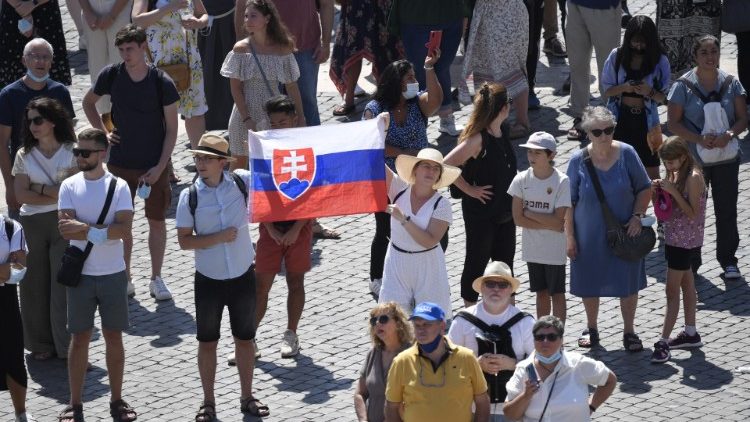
159	289
448	126
375	286
290	344
131	289
25	417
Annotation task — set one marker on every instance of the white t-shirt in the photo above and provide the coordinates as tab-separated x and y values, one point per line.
17	243
569	399
87	198
544	196
399	236
39	169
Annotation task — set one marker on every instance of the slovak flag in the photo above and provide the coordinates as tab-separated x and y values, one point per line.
317	171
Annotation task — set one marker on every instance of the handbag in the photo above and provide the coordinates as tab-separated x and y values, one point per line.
734	16
71	264
654	138
629	248
178	72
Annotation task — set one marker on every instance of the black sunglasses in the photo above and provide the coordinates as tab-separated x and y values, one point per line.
382	319
493	284
606	131
550	337
38	120
85	153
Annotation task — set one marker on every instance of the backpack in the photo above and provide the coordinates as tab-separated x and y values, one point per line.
495	339
193	193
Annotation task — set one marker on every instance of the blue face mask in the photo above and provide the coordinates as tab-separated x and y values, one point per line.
36	78
548	360
144	190
431	346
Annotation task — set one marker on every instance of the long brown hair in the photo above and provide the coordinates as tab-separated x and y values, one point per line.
488	102
276	31
53	111
674	148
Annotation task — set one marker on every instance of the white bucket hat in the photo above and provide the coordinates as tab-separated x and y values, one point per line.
405	166
496	270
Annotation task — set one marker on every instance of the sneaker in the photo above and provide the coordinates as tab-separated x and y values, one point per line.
554	47
661	352
685	341
290	344
131	289
375	286
732	272
159	289
448	126
534	102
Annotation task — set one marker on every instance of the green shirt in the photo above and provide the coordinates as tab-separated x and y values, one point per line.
425	12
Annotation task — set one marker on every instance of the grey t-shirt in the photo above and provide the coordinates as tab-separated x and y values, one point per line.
375	379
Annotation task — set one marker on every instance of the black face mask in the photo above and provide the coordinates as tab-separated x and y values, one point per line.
638	51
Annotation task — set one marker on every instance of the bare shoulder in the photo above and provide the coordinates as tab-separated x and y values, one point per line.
241	46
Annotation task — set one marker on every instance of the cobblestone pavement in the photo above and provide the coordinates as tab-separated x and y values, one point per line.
162	381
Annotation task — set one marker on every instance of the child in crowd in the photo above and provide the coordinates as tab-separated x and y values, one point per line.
541	197
683	232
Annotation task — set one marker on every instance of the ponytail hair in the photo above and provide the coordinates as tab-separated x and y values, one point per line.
488	102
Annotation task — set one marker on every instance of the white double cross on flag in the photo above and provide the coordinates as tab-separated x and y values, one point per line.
295	164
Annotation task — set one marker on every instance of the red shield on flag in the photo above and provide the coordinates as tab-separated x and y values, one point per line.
293	171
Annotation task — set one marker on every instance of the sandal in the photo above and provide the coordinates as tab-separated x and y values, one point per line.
575	133
206	413
322	232
41	356
631	342
71	413
343	109
589	338
254	407
121	411
519	130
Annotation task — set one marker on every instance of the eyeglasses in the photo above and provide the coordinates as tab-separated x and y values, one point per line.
37	120
421	378
204	158
550	337
85	153
382	319
598	132
494	284
39	57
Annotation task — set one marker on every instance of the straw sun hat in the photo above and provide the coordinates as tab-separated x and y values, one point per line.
405	166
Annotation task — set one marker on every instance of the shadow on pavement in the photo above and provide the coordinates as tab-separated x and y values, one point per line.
52	377
699	373
168	322
305	376
735	298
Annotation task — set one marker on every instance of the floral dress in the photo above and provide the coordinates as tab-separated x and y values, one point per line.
679	23
170	43
47	25
278	69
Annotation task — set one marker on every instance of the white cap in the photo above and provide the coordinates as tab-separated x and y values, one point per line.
541	140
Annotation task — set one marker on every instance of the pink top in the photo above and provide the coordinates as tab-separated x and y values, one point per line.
302	20
683	232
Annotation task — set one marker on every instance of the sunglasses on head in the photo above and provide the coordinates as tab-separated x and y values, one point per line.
550	337
38	120
495	284
382	319
606	131
85	153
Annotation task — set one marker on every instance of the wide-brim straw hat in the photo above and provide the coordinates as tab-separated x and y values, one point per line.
213	145
405	166
496	270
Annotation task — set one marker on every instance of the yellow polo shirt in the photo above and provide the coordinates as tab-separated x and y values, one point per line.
444	394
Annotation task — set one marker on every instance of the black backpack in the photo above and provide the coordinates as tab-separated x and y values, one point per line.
193	192
495	339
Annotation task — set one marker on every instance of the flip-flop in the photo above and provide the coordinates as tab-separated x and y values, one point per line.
42	356
343	109
575	133
71	413
322	232
254	407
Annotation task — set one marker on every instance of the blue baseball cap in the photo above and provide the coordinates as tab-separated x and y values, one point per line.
428	311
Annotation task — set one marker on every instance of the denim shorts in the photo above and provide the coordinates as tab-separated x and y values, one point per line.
108	292
237	294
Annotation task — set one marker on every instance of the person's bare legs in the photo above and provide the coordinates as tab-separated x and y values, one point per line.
672	290
115	357
521	104
560	306
195	127
263	283
627	308
543	306
207	368
157	243
352	76
78	360
245	355
17	394
295	302
591	306
127	245
690	297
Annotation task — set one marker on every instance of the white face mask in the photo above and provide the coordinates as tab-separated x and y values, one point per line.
412	90
36	78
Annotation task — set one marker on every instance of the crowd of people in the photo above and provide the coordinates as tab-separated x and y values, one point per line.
252	65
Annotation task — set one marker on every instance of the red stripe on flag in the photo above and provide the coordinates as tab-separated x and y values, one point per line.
324	201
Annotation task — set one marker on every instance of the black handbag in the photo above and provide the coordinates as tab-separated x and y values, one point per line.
71	264
629	248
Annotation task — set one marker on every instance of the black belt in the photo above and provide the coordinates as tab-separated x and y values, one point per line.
412	252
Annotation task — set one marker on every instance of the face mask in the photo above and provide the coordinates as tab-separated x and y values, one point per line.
411	90
35	78
548	360
431	346
638	51
144	190
17	272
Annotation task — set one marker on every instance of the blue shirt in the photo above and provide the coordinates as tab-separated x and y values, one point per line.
219	208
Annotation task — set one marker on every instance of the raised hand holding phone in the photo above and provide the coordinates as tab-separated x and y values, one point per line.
433	45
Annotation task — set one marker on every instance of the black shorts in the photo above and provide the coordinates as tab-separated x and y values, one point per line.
546	277
237	294
632	129
678	258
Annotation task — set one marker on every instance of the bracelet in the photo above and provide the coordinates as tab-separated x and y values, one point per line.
592	408
429	67
41	192
406	220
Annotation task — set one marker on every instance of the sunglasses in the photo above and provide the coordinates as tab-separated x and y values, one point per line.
38	120
85	153
382	319
598	132
550	337
493	284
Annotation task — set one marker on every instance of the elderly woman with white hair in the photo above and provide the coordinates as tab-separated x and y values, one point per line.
414	269
626	188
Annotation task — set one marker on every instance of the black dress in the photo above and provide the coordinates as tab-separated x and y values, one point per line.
47	25
11	332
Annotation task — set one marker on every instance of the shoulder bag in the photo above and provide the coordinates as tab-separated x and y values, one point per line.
623	246
178	72
71	264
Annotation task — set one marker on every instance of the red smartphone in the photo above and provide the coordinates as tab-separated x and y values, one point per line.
434	42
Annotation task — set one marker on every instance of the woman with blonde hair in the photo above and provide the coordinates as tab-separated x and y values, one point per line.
391	333
488	164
